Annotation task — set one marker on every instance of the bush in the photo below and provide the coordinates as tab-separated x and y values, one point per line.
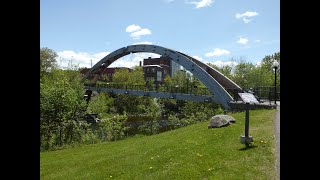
113	129
149	127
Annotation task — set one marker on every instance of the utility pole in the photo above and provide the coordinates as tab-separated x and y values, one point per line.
71	60
91	62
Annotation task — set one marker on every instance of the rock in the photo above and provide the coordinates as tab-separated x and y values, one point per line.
221	121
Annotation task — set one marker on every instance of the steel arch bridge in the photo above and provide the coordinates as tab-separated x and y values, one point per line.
216	82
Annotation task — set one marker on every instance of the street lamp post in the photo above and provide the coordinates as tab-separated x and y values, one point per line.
275	66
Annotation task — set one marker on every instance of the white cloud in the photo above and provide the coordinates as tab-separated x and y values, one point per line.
202	3
126	61
146	55
141	32
243	40
257	41
246	14
245	20
132	28
100	55
217	52
81	59
168	1
144	42
136	31
198	58
225	63
133	59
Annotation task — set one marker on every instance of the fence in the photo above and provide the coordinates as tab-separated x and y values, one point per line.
153	87
263	93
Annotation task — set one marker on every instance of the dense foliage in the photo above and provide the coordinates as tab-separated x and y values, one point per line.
47	60
61	108
248	75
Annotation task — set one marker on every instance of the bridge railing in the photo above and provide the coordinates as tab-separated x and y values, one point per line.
266	92
192	90
262	92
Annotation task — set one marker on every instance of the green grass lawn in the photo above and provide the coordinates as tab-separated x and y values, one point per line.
193	152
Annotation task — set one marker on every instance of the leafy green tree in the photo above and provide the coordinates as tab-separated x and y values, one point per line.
266	65
47	60
267	61
61	105
167	80
149	127
153	110
123	76
226	70
114	127
260	77
101	104
242	73
136	76
173	121
181	78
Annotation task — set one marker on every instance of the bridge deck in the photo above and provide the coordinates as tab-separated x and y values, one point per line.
167	95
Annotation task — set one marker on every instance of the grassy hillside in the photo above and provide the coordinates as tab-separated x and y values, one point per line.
193	152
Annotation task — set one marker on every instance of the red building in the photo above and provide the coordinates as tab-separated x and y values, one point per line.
156	69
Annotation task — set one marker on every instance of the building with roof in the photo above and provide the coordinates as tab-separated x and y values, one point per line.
156	69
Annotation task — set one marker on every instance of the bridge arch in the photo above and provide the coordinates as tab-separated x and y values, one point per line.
203	72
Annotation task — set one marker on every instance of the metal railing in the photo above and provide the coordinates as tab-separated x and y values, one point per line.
266	92
261	92
192	90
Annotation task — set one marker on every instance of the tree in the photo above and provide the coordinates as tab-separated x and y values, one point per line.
226	71
267	61
101	104
136	76
61	107
266	65
167	80
242	73
259	76
181	78
121	76
153	110
124	76
47	60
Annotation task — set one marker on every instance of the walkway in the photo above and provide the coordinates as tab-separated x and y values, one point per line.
277	138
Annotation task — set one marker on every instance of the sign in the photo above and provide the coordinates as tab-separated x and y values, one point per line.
248	98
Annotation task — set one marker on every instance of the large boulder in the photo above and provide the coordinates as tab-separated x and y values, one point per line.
221	121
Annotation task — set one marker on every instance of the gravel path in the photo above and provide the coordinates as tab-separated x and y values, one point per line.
277	138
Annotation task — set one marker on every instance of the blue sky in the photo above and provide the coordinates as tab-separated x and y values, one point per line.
216	31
